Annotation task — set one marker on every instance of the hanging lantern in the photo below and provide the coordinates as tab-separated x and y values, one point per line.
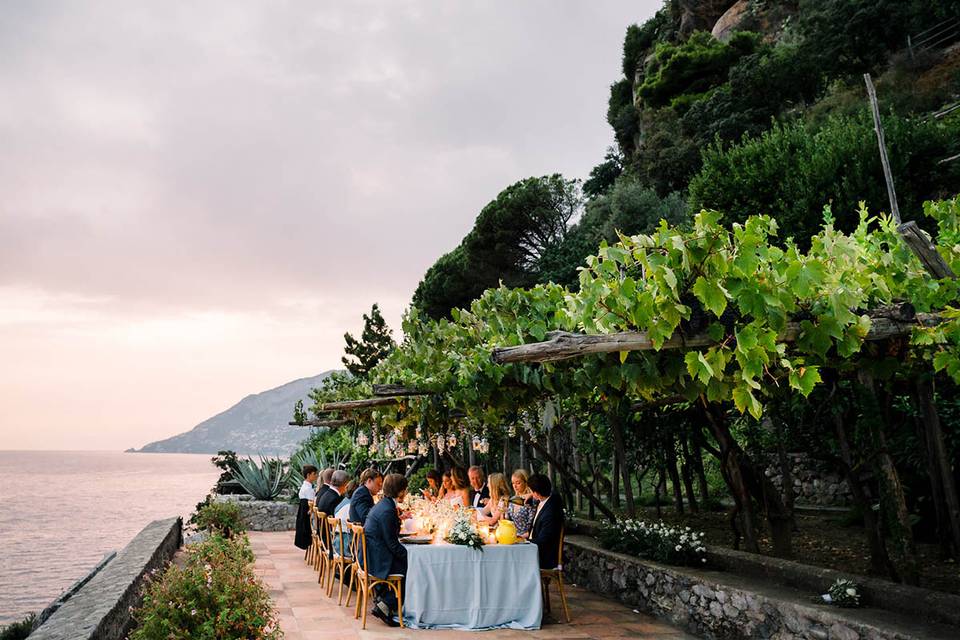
512	430
476	443
452	441
484	446
411	446
423	449
441	443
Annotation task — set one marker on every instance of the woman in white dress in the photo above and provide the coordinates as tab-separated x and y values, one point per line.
460	493
499	500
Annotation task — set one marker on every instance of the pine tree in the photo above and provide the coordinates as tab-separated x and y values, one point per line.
374	345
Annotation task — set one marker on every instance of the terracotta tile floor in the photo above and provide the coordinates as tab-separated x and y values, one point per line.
306	612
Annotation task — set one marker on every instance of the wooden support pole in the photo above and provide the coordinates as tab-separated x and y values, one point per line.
320	423
923	247
574	480
881	142
366	403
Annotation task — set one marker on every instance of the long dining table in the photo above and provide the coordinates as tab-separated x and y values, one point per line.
451	586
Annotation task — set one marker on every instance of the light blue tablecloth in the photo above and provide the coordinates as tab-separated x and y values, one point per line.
454	587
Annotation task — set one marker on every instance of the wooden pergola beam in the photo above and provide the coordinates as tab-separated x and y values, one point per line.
563	345
320	423
366	403
381	390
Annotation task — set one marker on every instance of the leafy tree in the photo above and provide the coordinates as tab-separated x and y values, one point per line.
447	284
790	170
374	345
604	174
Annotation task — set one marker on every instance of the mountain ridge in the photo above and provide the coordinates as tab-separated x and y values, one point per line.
257	424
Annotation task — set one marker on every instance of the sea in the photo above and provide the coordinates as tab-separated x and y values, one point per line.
62	511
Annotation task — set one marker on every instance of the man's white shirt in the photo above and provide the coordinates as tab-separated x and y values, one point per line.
307	491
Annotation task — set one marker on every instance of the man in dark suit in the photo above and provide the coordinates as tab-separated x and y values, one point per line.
324	486
385	555
479	491
371	481
548	522
327	501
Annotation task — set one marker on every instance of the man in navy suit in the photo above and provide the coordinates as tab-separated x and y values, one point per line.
385	555
327	501
325	476
371	481
548	522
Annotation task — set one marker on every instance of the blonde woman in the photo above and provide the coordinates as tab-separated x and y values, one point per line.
522	514
499	502
460	493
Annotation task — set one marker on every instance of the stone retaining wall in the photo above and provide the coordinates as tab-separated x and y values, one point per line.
719	605
100	610
814	482
264	515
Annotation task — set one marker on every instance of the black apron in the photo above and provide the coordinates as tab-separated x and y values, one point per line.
303	538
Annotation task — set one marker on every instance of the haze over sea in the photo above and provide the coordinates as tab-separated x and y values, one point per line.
61	511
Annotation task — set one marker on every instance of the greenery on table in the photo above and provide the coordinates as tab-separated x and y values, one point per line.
214	595
655	541
463	532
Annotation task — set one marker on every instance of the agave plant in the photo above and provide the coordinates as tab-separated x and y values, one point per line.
317	458
263	481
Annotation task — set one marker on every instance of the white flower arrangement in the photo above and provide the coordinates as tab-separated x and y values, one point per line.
465	533
656	541
843	593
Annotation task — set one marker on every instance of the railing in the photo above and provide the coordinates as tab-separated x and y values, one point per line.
938	36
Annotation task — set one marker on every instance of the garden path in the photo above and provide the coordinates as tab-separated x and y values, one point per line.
307	614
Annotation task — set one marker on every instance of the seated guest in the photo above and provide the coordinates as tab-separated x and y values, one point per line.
480	492
371	481
498	505
342	514
460	493
385	555
548	521
432	490
324	485
327	502
446	486
303	537
522	506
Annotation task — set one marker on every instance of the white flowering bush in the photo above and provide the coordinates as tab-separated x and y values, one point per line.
464	532
843	593
655	541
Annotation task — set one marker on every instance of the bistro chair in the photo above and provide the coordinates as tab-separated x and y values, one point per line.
364	581
312	549
546	575
341	560
322	553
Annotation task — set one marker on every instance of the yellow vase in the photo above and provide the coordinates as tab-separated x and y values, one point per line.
506	532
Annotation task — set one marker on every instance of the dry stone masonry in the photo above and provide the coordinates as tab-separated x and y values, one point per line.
264	515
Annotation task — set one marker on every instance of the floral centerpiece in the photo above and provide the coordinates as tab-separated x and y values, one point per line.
843	593
464	532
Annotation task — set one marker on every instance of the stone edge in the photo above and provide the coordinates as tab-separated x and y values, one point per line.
101	608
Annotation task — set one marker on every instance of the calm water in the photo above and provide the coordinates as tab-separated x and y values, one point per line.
61	511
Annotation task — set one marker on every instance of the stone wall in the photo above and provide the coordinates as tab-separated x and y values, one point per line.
814	483
715	605
101	608
264	515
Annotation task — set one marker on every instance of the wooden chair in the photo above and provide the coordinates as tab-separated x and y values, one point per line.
546	575
342	560
321	556
364	581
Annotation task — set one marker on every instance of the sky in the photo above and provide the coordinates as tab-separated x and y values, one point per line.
197	200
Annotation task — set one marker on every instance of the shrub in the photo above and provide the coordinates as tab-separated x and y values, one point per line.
215	595
223	518
18	630
793	173
655	541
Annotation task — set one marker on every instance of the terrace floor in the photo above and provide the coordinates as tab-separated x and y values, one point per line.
307	614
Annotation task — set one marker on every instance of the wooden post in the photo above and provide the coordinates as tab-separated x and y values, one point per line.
939	459
616	421
881	142
574	480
